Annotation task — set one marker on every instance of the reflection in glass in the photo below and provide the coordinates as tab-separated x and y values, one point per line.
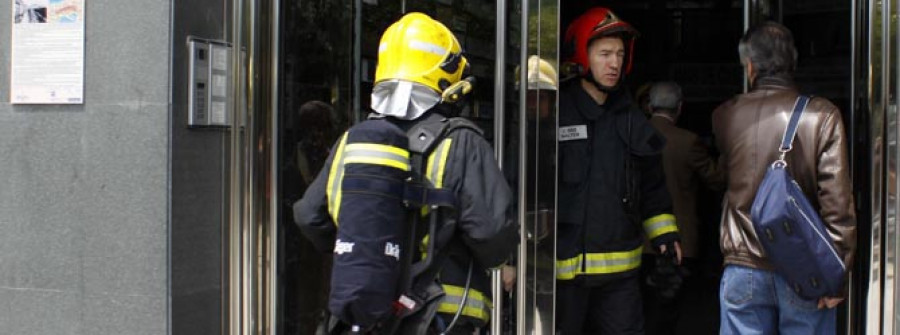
891	118
535	124
876	123
315	101
318	64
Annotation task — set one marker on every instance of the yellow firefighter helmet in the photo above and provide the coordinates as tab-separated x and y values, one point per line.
420	49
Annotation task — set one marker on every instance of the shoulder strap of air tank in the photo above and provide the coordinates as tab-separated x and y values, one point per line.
427	133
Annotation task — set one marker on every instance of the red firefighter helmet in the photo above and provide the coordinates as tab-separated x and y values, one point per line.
597	22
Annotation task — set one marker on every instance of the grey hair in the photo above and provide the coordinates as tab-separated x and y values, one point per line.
770	47
665	95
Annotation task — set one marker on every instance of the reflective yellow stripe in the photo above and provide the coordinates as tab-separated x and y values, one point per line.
659	225
335	176
435	171
378	154
598	263
423	246
379	148
477	306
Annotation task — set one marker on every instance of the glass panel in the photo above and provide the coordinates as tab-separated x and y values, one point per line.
822	32
530	157
539	156
326	86
510	141
253	216
315	100
824	65
892	202
876	124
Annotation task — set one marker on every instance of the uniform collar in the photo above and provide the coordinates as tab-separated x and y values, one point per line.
591	110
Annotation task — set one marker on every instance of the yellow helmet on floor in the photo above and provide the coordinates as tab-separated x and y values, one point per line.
420	49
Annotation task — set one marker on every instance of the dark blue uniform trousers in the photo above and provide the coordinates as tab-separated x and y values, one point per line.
610	308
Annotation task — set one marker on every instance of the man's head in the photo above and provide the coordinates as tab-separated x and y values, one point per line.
542	87
541	74
665	98
642	97
606	56
602	46
768	50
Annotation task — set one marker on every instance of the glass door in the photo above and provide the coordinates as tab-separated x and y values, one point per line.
326	54
532	133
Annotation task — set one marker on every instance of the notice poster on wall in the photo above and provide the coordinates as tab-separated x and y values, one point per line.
47	52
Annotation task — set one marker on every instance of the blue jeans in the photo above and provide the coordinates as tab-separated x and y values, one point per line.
756	301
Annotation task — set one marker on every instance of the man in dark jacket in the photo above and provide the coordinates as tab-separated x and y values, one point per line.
611	184
419	58
748	130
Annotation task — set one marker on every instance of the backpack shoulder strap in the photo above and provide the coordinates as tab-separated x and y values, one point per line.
790	131
424	137
426	134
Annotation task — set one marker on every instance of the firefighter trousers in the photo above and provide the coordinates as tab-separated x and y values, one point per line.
611	308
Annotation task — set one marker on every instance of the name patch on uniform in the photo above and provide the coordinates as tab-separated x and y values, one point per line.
569	133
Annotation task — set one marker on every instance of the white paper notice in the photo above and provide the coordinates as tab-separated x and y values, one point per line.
217	112
219	86
47	52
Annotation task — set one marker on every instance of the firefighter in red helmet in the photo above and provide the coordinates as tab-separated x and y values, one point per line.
612	191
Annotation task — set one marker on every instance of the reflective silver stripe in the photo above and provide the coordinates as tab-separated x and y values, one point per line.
659	225
477	306
471	302
598	263
427	47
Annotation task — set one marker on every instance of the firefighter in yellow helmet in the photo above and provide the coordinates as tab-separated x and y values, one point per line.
540	100
542	85
418	79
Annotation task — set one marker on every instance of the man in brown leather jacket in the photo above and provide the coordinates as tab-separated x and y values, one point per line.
748	130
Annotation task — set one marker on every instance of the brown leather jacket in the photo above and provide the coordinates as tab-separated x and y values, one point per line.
748	130
688	166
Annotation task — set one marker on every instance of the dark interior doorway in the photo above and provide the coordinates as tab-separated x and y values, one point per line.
691	42
694	43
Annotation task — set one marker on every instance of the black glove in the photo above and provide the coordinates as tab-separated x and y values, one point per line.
666	275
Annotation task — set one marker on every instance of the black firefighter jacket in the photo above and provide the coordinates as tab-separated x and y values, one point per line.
486	231
612	190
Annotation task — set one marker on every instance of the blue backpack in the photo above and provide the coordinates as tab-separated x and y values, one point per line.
790	229
376	193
